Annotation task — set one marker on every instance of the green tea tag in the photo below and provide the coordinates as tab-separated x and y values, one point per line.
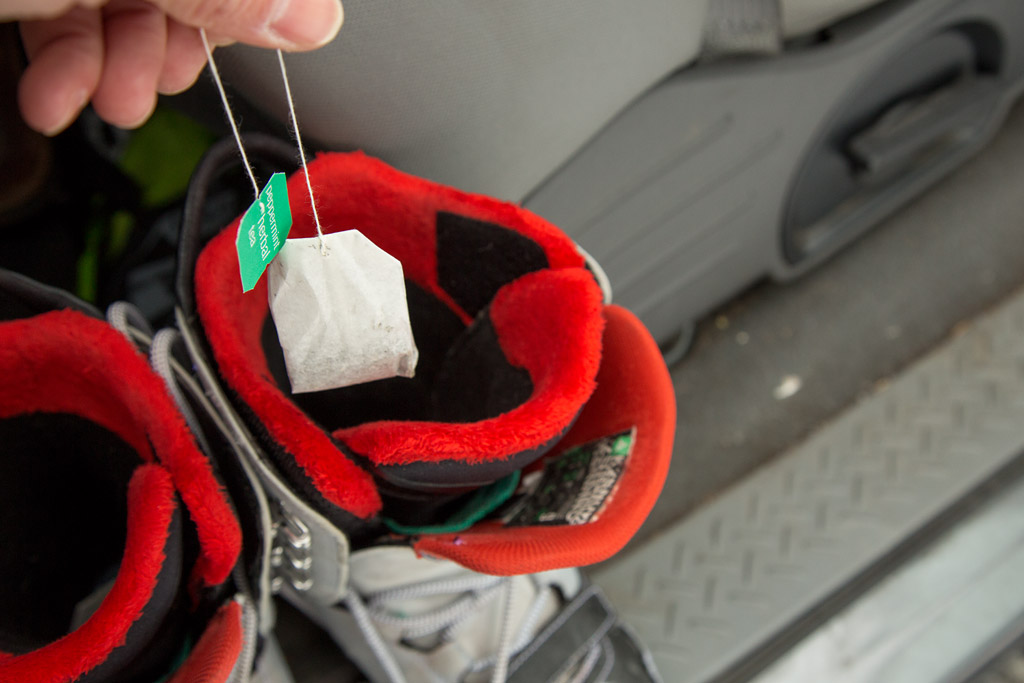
263	230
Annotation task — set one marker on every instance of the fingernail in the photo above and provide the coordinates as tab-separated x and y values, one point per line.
75	104
308	23
141	119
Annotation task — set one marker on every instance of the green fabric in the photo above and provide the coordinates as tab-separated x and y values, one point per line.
121	225
483	502
88	268
159	159
162	154
105	241
179	660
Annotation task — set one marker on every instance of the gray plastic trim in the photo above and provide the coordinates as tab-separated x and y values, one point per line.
682	197
720	591
743	26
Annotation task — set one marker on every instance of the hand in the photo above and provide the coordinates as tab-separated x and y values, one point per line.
120	53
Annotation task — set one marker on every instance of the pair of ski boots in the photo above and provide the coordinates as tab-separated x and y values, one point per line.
152	507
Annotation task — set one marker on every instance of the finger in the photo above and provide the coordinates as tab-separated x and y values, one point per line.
21	10
65	60
184	59
287	24
135	35
218	40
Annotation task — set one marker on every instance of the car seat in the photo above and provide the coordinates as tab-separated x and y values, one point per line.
691	146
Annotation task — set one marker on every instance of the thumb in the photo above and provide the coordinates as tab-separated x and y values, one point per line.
286	24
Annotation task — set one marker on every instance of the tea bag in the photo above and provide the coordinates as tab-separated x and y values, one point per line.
341	312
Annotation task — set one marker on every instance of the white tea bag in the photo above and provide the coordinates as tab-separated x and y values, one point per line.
341	316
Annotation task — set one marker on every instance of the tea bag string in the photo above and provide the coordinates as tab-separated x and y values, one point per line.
238	138
227	110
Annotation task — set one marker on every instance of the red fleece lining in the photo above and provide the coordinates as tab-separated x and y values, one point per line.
234	335
214	656
67	362
151	504
398	213
633	389
548	322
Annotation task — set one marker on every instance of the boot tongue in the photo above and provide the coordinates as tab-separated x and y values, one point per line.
508	387
476	381
384	574
405	586
385	568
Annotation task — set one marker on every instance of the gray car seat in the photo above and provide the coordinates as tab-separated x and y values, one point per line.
691	146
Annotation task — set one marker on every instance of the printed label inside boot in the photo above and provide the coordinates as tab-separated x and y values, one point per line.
574	487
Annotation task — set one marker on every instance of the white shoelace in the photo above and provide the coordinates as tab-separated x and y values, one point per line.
125	318
371	612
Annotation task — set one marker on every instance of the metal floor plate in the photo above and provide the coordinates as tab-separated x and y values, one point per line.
942	616
712	595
